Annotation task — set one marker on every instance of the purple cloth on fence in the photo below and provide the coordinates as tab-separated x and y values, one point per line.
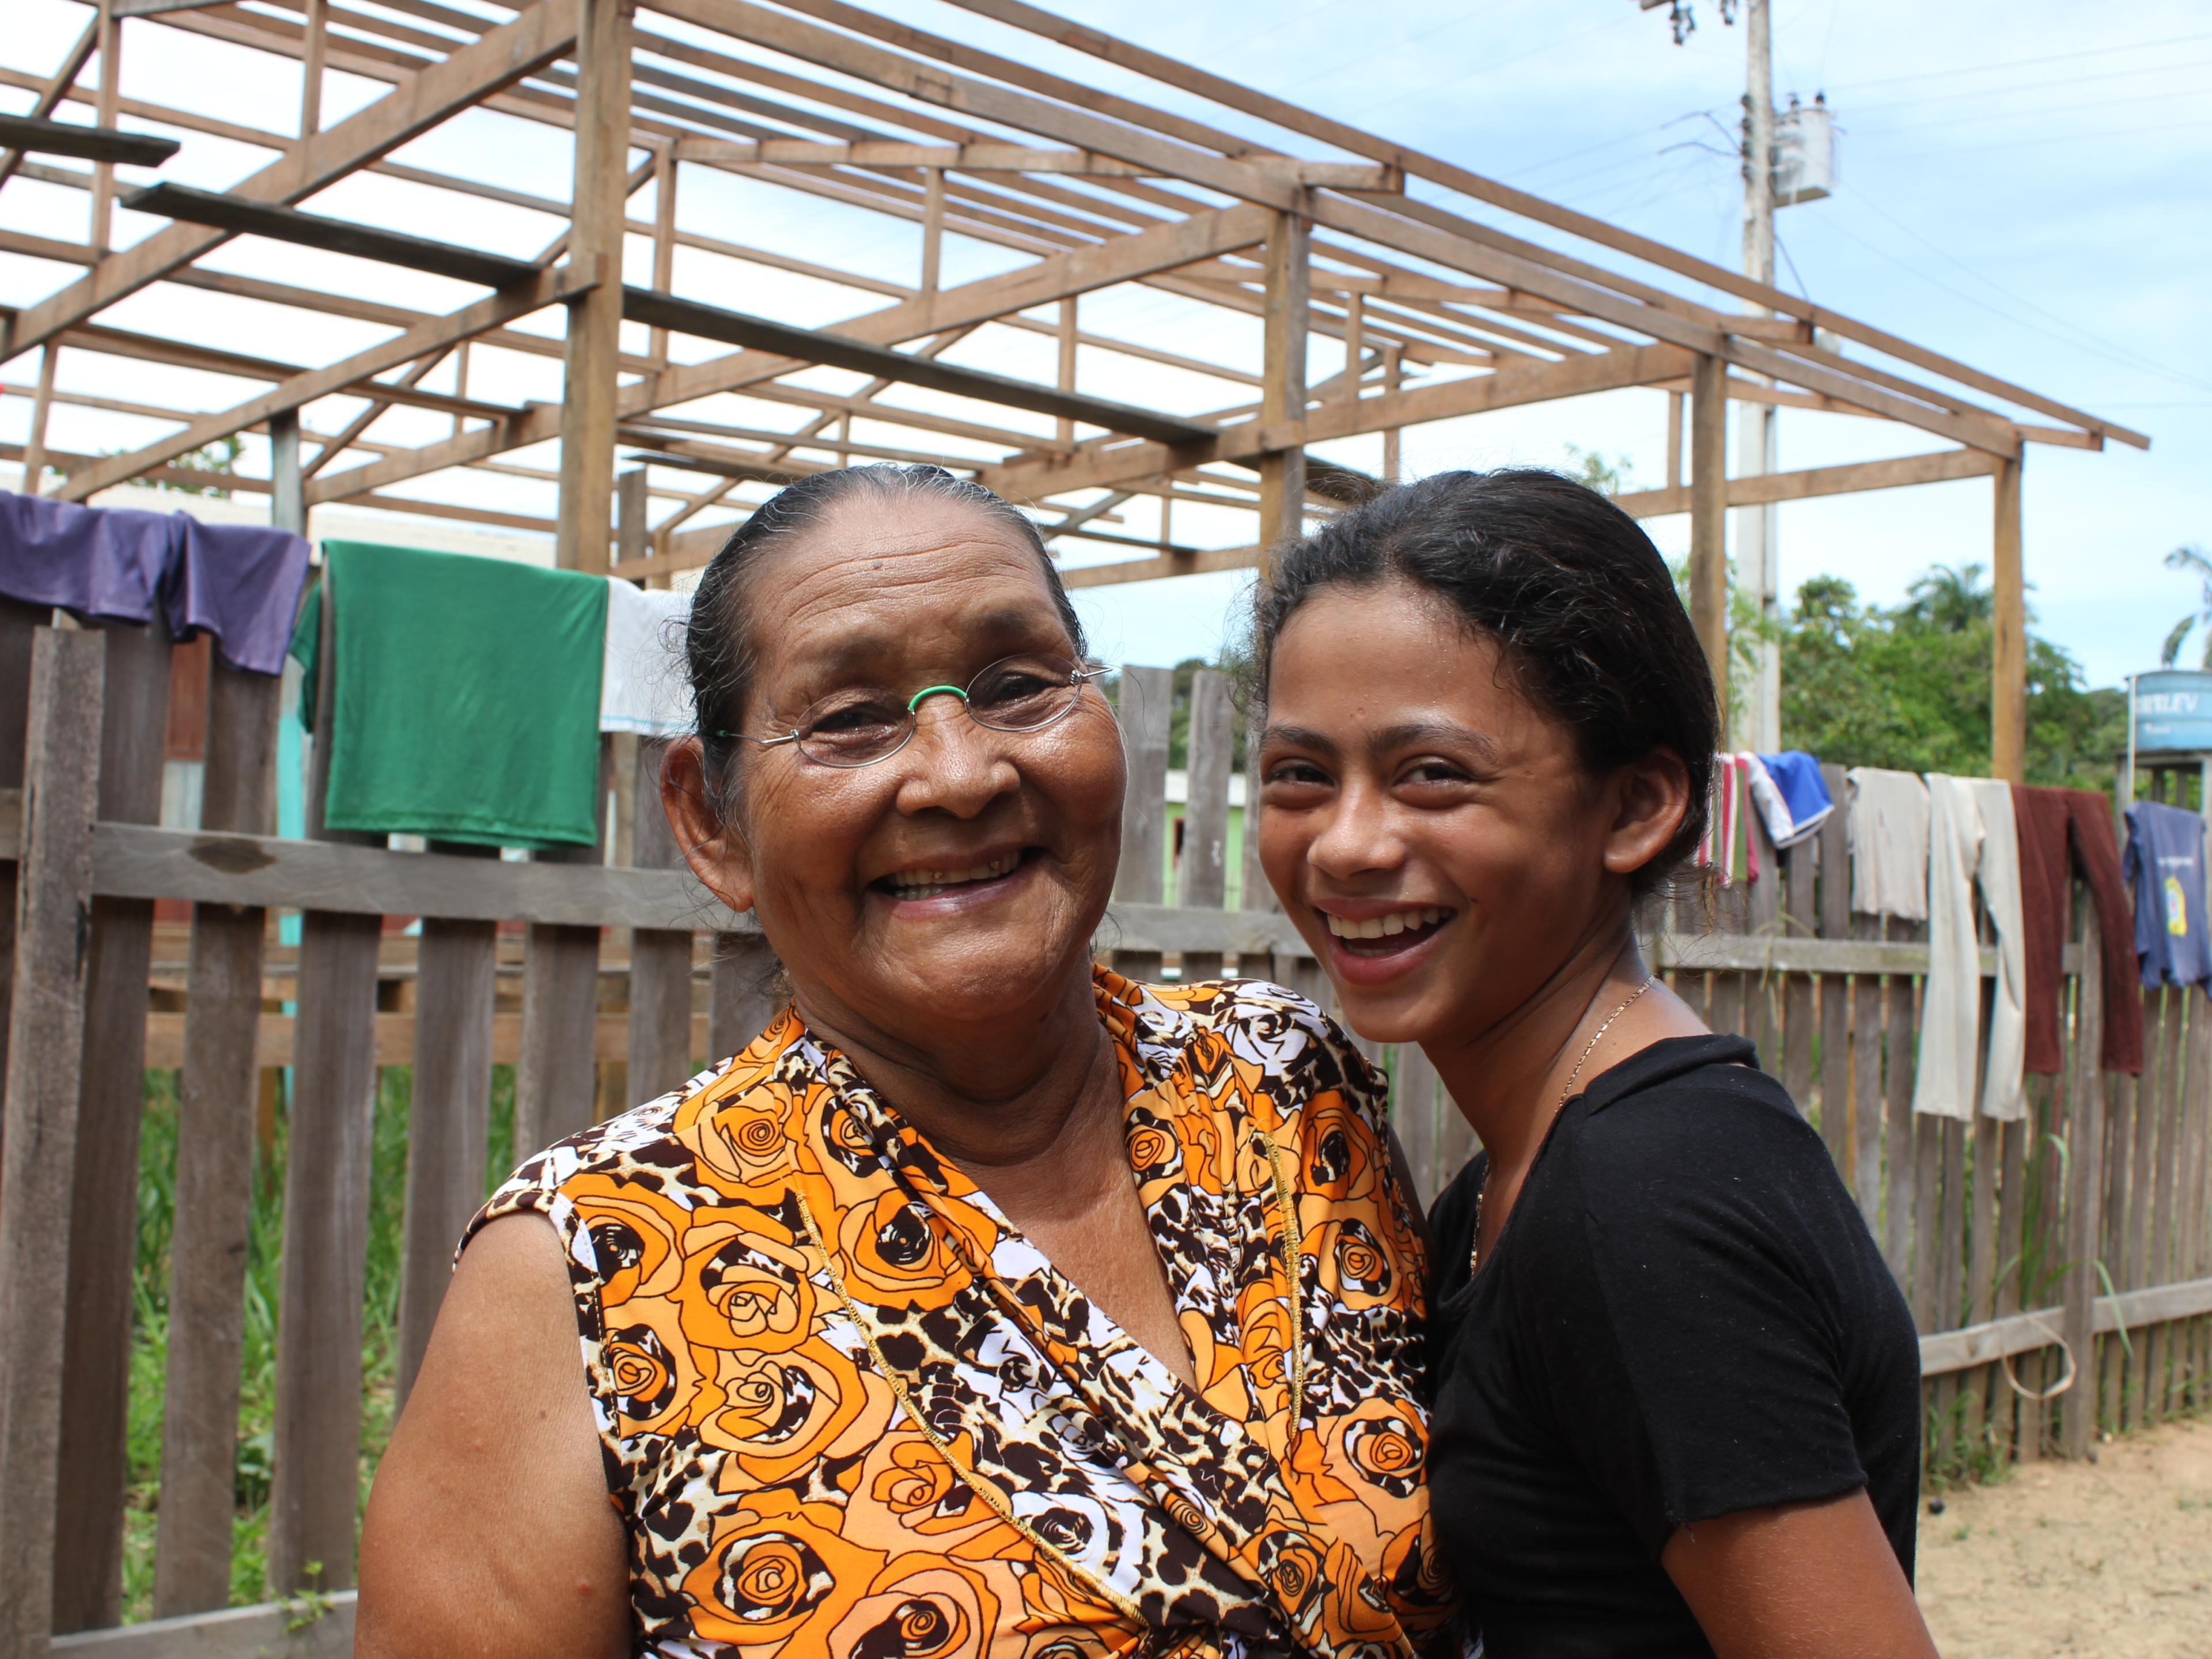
97	561
240	582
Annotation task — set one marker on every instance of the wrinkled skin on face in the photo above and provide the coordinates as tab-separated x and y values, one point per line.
900	596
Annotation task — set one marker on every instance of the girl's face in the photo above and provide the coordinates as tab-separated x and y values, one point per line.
1431	830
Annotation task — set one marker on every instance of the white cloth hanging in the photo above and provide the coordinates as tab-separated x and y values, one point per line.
1889	823
1972	840
645	686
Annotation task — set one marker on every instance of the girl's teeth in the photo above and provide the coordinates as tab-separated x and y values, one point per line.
1398	921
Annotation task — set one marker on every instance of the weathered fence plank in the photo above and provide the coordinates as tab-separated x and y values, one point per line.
104	1218
46	1053
2085	1139
1148	703
1202	871
218	1095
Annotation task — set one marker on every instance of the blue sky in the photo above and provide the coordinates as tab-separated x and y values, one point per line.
2022	187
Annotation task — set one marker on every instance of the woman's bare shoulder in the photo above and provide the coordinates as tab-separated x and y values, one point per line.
489	1531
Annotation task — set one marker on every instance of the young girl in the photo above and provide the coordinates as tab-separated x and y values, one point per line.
1677	1393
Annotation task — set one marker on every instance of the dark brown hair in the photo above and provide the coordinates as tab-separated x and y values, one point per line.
1582	608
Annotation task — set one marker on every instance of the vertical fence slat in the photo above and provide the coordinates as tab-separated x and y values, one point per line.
104	1218
1947	1258
659	959
2012	1203
1202	875
1147	701
1256	893
448	1117
1796	998
2122	1096
2159	1264
1832	860
2085	1139
19	626
1414	1108
1982	1227
214	1211
316	1435
46	1050
1899	1052
2187	1393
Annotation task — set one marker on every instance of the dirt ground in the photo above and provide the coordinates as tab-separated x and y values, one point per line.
2112	1559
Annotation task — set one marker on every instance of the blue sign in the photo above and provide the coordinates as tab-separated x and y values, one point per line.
2173	711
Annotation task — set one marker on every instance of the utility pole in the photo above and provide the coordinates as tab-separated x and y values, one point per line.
1757	556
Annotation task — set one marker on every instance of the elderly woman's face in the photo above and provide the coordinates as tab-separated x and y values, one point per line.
890	598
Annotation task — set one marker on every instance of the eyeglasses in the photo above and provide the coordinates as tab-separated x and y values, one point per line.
856	728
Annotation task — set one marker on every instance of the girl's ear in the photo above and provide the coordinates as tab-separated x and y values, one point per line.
1651	797
713	848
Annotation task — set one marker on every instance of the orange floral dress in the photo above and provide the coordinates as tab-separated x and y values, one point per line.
846	1410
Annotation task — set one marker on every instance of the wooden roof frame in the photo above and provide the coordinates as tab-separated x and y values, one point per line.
1096	188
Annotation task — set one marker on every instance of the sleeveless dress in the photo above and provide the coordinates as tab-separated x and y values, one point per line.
846	1410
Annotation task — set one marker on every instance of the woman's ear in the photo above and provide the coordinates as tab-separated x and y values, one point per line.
713	848
1651	798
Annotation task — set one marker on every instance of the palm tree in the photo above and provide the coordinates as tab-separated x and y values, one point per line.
1951	599
2193	560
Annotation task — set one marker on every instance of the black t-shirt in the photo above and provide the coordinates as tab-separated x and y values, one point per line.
1683	1317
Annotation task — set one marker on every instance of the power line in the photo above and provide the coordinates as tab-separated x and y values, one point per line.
2019	62
2037	85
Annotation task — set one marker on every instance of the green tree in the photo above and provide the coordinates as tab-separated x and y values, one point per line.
2192	560
1908	687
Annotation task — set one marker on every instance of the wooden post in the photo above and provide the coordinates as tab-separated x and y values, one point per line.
1204	880
1393	456
1147	701
592	359
659	959
38	1152
2085	1142
219	1093
34	447
315	1478
1709	589
1283	379
557	1078
311	69
933	229
1064	428
104	1216
632	533
1674	402
2008	658
663	237
1355	344
99	235
449	1114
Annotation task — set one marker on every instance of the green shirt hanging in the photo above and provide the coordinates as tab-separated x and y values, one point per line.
466	695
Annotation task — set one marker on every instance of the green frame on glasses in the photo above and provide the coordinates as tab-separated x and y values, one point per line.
1077	677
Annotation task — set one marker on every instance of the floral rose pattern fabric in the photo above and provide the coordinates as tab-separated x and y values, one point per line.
846	1410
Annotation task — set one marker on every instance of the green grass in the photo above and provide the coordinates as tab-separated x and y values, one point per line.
157	1160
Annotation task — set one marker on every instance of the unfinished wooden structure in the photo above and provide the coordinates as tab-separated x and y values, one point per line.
1390	288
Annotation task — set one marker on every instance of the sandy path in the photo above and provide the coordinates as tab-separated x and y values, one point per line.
2112	1559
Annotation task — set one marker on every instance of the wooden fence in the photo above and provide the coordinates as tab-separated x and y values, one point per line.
624	977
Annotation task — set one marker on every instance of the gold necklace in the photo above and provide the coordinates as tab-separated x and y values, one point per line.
1474	1250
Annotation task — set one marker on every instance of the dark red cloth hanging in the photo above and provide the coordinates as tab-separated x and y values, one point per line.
2063	831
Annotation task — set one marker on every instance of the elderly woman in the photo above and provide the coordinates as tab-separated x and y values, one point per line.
986	1304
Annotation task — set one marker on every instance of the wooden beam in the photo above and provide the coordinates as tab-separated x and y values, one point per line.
590	387
1709	521
504	56
1167	564
843	351
541	289
33	133
243	216
2008	655
1852	478
1515	385
994	158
